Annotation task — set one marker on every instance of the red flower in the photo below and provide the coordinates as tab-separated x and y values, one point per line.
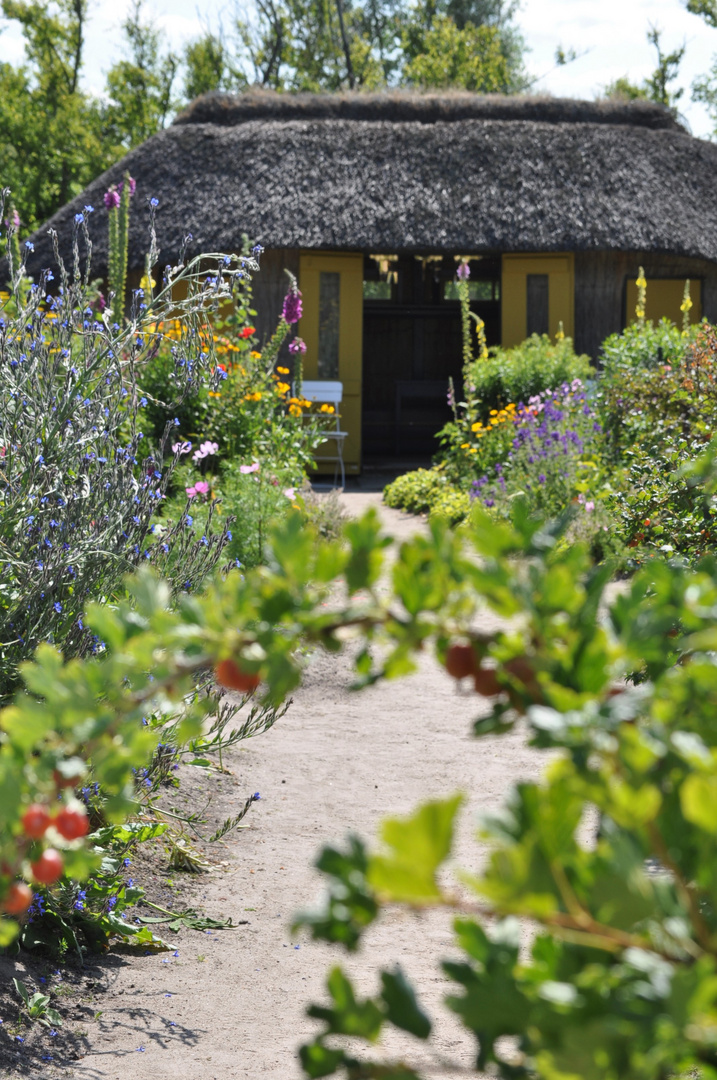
247	331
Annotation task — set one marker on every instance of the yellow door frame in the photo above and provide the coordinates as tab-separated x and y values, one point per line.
514	294
350	269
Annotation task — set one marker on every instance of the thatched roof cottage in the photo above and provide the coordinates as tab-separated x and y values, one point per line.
369	200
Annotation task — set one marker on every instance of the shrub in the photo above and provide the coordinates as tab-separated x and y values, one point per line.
495	386
515	375
646	345
77	494
451	504
555	441
414	491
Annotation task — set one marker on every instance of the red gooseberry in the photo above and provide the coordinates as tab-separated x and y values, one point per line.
231	676
72	823
18	899
35	821
486	682
48	868
460	661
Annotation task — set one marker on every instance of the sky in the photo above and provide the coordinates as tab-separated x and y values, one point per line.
609	36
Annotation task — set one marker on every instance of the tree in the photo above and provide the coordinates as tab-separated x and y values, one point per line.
704	87
140	87
470	58
657	86
51	141
207	67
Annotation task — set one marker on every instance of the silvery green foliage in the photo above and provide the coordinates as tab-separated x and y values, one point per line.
78	494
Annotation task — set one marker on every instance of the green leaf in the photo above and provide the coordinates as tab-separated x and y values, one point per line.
402	1008
419	845
698	798
318	1060
347	1016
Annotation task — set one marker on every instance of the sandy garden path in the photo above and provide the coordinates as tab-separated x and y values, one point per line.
231	1004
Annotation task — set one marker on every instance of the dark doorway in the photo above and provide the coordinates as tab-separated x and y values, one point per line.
412	346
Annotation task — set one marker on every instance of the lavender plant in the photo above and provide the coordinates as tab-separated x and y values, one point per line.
553	436
77	494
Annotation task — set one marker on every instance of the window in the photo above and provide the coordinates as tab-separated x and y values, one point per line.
377	290
477	290
537	288
329	325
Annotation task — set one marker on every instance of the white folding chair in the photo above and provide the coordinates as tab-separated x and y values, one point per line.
329	392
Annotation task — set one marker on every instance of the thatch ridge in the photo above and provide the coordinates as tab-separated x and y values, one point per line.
402	106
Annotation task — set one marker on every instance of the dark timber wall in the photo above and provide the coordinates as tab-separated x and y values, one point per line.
600	278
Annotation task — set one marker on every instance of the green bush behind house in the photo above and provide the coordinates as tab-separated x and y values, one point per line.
517	374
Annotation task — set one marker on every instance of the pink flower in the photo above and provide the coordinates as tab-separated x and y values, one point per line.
181	447
205	450
290	492
200	488
463	272
589	507
292	310
111	198
297	346
132	186
249	468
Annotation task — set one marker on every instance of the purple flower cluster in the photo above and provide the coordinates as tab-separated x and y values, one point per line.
552	433
292	310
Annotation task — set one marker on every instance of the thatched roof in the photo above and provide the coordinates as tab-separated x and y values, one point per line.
452	173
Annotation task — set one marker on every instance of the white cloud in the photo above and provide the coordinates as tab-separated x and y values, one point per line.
612	36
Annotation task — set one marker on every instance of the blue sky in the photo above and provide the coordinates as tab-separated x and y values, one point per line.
610	35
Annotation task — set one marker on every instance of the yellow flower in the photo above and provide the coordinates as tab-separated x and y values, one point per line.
686	304
493	412
465	445
256	396
477	426
641	283
295	410
255	355
326	408
282	388
281	370
214	393
147	283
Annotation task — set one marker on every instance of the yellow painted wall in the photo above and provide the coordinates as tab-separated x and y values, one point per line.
663	299
350	267
514	299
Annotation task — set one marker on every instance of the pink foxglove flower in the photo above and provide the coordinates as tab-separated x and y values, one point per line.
463	272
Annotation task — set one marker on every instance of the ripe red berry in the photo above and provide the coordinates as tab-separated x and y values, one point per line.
35	821
48	868
230	675
62	781
72	823
486	682
18	899
461	661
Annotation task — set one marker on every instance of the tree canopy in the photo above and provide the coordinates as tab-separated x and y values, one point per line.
55	137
